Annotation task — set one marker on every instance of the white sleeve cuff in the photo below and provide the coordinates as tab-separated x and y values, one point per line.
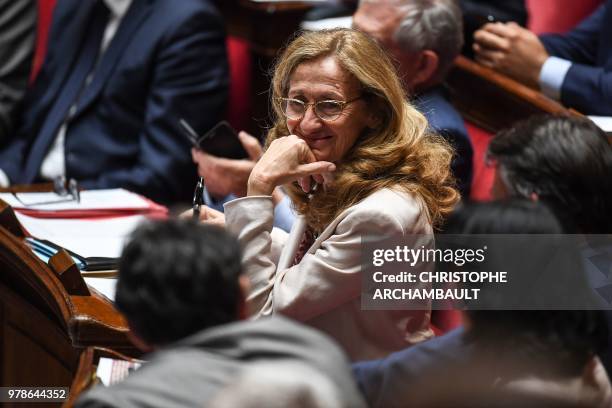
552	76
4	180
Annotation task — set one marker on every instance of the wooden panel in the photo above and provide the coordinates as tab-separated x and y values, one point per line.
493	101
85	376
88	320
34	351
48	316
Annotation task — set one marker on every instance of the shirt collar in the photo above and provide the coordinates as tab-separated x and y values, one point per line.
118	7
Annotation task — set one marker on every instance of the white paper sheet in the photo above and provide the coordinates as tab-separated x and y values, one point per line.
604	122
86	237
106	286
111	371
328	23
90	200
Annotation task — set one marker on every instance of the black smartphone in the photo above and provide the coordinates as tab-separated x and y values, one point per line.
222	140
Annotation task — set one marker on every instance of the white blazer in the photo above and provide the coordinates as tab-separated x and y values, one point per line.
324	289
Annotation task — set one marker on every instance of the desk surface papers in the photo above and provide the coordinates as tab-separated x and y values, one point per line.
90	200
92	204
86	237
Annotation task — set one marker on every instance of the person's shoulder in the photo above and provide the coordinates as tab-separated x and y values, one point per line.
273	333
167	17
150	385
390	209
394	201
447	349
397	376
390	199
171	20
184	8
440	113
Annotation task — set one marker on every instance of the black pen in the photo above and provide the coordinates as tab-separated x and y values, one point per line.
198	198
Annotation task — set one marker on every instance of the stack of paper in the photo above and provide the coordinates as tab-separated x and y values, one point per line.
88	238
93	203
93	229
106	286
604	122
111	371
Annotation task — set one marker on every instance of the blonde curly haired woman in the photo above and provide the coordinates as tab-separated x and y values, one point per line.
357	160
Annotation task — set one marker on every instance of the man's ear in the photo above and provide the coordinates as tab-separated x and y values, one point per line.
427	63
245	288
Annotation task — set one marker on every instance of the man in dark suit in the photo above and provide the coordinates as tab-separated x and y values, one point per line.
182	292
506	355
119	74
575	68
425	38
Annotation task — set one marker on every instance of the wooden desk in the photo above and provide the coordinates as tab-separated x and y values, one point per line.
48	315
85	376
494	101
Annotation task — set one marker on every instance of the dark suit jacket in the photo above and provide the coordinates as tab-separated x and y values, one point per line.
191	372
17	32
166	61
444	119
454	370
588	84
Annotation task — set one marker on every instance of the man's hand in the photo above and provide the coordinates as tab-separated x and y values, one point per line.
512	50
224	176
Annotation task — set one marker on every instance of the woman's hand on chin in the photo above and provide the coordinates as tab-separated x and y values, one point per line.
287	159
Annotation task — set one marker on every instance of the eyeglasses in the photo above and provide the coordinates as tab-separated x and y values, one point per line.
327	110
66	192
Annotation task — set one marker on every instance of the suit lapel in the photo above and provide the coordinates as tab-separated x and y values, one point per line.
68	46
292	243
134	17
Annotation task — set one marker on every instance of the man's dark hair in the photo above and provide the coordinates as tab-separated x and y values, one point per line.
177	278
567	162
558	341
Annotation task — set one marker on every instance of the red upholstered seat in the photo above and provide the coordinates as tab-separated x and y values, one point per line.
43	24
443	321
239	106
557	16
483	174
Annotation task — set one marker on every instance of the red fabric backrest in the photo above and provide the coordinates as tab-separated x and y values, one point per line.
239	107
43	24
557	16
443	321
483	174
